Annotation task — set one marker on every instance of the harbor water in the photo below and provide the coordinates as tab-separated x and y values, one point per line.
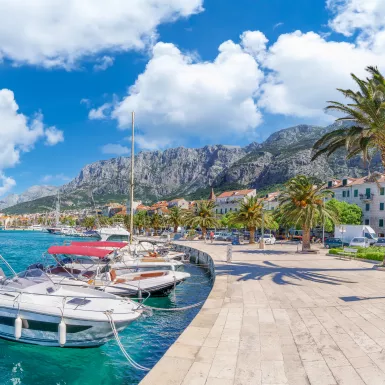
146	340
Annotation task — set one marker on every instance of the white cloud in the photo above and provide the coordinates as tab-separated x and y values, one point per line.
201	99
86	102
53	136
366	16
18	134
57	178
60	33
7	184
278	25
115	149
104	63
101	112
145	143
306	69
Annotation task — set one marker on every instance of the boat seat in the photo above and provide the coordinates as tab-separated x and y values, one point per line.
149	275
62	269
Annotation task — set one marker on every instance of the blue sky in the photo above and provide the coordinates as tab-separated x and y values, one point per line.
269	77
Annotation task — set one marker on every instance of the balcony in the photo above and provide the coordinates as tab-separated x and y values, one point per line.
366	197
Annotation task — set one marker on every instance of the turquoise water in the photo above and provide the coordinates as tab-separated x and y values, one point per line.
146	340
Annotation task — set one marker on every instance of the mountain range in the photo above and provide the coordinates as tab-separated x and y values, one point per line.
191	172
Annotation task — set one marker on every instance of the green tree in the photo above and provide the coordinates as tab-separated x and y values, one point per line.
302	203
366	112
229	221
141	220
202	215
250	215
346	214
89	222
177	217
156	221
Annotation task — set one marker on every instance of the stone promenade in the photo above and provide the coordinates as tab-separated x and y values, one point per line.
276	317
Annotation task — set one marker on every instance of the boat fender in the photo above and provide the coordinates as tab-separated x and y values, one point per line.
62	331
18	327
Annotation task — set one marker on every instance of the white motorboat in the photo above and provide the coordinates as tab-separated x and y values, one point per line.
90	258
114	233
154	283
35	310
36	228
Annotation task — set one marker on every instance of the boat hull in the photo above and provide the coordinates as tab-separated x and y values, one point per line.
40	329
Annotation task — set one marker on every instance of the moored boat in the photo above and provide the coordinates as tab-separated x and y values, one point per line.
35	310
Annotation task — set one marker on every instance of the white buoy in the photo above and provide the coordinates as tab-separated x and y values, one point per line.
62	331
18	327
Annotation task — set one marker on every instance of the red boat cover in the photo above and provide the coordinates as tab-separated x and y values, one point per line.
78	250
117	245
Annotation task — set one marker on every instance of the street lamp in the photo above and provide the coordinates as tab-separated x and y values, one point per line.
342	231
262	239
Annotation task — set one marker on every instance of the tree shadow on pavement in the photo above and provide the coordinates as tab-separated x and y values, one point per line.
284	275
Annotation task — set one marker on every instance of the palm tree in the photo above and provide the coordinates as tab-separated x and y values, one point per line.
202	215
141	220
302	203
156	221
176	217
366	112
250	215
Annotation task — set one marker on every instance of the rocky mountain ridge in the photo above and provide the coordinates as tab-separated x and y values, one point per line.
190	172
34	192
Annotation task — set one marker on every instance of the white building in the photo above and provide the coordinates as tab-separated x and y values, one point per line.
179	202
230	201
135	206
368	193
270	201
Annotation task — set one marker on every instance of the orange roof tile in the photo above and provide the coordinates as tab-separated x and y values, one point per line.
228	194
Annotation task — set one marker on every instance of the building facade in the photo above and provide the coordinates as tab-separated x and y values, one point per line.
230	201
367	193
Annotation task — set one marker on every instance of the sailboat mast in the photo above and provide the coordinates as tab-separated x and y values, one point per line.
132	178
57	212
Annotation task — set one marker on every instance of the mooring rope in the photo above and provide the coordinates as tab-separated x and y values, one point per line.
174	309
126	355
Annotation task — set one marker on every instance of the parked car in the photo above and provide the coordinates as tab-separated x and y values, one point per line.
331	243
380	242
359	242
269	239
223	236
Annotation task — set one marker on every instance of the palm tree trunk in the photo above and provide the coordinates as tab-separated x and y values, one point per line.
252	235
204	232
306	239
175	229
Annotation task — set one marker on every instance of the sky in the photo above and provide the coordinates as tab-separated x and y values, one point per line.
196	72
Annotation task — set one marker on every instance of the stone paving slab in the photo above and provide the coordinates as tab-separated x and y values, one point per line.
277	317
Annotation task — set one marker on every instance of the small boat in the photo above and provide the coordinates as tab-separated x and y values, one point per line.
155	283
36	228
115	233
35	310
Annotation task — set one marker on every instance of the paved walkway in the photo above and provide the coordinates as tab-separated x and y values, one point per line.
277	317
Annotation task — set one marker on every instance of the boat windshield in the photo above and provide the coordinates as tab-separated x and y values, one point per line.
27	278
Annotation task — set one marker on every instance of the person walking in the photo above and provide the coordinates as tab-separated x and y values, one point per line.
211	236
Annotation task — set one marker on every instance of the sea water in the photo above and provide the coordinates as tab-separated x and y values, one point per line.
146	340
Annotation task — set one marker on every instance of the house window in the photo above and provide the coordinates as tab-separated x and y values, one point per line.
355	193
343	194
225	211
221	211
235	209
368	192
330	184
344	182
382	206
382	191
366	221
381	223
231	209
348	193
367	207
216	211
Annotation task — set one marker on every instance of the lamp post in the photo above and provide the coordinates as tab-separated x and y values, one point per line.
342	231
262	240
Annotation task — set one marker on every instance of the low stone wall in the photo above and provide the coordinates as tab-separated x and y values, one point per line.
197	257
172	368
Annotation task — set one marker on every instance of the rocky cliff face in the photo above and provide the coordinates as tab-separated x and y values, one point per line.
31	194
182	171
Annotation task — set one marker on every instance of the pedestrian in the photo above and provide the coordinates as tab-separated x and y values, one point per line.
211	236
